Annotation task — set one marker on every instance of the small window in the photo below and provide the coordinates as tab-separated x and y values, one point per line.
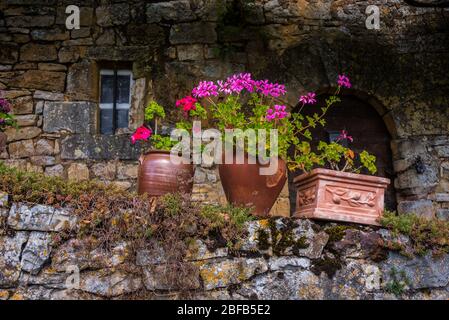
115	99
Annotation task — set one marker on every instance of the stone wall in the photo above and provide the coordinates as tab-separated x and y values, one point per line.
277	259
51	75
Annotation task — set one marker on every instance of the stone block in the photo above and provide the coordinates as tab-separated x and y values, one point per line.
22	105
10	257
80	33
46	95
156	278
69	54
40	79
82	81
220	274
78	172
40	218
74	117
51	67
198	251
9	53
278	263
178	11
98	147
443	214
104	171
27	120
43	160
145	34
420	272
29	21
36	252
38	52
55	171
109	283
190	52
127	171
423	208
195	32
258	237
50	34
442	197
112	15
45	147
21	149
22	133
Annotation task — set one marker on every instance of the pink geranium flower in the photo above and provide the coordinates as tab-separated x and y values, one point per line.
205	89
276	113
237	83
270	89
344	136
142	133
343	81
308	98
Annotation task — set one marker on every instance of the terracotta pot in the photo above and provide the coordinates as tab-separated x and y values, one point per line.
342	196
3	139
158	175
244	186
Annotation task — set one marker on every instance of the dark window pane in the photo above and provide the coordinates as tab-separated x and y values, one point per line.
124	87
107	88
106	121
122	118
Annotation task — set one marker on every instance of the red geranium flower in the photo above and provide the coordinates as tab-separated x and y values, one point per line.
142	133
187	103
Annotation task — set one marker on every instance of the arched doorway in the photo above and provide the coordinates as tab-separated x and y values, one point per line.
368	130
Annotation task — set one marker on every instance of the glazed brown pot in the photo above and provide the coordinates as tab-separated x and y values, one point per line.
244	186
158	175
341	196
3	139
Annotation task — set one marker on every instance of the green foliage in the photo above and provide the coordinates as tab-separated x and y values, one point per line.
342	158
160	142
220	215
399	282
171	203
425	234
368	161
153	111
200	113
8	120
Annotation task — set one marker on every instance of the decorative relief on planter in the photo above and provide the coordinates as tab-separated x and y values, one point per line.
353	198
306	196
342	196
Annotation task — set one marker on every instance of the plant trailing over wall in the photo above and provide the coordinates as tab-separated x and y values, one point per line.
110	216
425	234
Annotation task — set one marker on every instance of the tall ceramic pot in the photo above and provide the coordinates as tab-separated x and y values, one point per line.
158	175
245	186
3	139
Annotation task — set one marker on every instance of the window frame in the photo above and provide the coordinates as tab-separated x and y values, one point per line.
115	106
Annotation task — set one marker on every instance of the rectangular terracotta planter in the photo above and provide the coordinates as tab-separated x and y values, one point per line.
341	196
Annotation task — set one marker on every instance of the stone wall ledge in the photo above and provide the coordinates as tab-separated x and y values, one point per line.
277	259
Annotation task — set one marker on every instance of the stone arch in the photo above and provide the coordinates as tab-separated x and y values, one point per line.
372	126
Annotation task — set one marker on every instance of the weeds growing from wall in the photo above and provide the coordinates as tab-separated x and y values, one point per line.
107	215
426	235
